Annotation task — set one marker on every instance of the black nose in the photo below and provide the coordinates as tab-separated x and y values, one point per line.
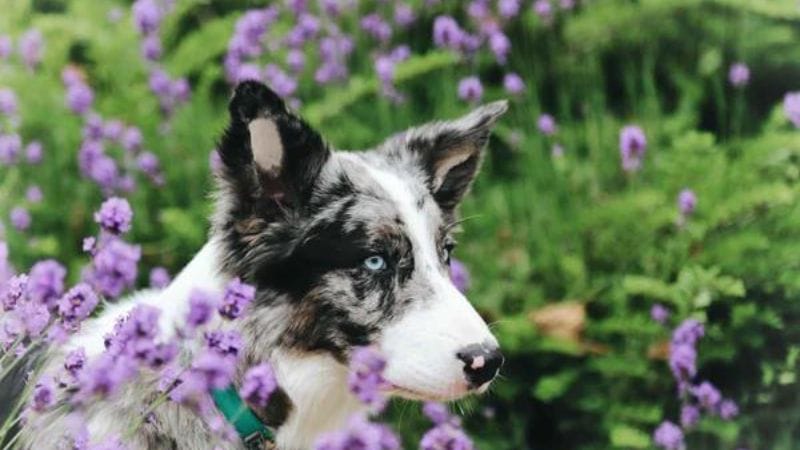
481	363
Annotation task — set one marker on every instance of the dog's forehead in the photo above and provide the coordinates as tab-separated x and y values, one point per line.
381	192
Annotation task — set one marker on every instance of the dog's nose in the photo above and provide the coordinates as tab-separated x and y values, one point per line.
481	363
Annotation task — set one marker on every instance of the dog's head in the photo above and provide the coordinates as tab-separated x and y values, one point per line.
353	248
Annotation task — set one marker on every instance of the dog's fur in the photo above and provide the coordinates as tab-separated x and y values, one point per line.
298	220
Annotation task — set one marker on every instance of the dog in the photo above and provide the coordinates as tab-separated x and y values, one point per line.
345	249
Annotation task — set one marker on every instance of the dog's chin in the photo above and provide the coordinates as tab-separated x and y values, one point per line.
452	394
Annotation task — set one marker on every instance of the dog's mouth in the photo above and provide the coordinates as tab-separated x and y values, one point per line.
450	395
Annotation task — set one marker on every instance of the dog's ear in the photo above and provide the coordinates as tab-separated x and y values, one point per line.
270	156
450	152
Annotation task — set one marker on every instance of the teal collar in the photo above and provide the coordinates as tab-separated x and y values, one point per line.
251	430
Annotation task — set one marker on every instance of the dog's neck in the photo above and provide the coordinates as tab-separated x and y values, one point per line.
314	398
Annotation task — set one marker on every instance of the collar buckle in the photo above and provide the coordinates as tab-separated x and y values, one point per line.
255	441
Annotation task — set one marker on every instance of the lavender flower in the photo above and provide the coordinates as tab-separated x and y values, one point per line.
739	75
669	436
46	282
74	362
728	409
446	436
201	308
360	433
543	9
683	361
14	291
151	48
226	343
147	15
237	297
115	216
79	98
34	152
500	45
436	412
508	8
404	15
209	371
44	394
687	202
470	89
131	139
6	47
632	146
708	395
659	313
104	376
31	45
10	147
114	267
258	385
547	125
77	304
688	332
376	27
567	5
366	377
513	83
33	194
690	415
459	275
8	102
447	33
791	106
20	218
159	278
35	318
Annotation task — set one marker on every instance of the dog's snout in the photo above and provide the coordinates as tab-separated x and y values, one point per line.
481	363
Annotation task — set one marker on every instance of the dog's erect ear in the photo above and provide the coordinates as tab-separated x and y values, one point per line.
451	151
269	155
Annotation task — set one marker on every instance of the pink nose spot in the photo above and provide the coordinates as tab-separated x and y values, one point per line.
478	362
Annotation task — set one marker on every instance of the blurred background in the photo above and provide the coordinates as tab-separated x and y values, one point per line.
647	173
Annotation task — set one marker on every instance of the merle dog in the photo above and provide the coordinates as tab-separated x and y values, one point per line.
345	249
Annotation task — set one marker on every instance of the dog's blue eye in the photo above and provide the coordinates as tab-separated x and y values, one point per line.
375	263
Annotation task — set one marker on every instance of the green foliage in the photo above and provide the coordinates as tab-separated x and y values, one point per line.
540	230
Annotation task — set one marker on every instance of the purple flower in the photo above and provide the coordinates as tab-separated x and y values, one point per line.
34	152
33	194
683	361
688	332
687	202
131	139
8	102
436	412
10	146
258	385
668	436
513	83
728	409
567	4
361	434
739	74
508	8
404	15
6	47
31	45
459	275
376	27
20	218
74	362
35	318
557	151
151	47
46	282
296	60
366	377
115	216
447	33
791	106
44	394
226	343
632	146
543	9
113	129
104	376
547	125
470	89
500	46
237	297
159	278
708	395
209	371
201	308
147	15
690	415
659	313
77	304
446	436
80	98
13	291
114	267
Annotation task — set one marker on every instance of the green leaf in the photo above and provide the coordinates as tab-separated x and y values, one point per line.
629	437
553	386
203	47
